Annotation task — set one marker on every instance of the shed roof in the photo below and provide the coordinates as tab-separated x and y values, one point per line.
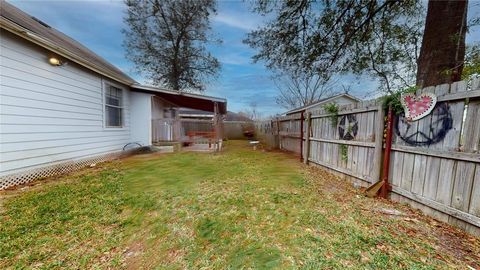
323	101
188	112
230	116
36	31
184	99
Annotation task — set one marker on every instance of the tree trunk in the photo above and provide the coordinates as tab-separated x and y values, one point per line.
443	45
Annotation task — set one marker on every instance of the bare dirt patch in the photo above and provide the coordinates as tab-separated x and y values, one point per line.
449	242
132	256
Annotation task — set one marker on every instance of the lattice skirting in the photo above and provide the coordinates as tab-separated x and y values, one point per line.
56	169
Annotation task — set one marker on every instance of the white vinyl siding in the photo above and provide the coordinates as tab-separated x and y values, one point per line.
141	117
51	114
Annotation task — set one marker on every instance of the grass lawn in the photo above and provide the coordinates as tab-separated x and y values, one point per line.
241	209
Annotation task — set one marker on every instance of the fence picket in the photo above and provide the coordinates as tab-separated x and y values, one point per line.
463	185
474	208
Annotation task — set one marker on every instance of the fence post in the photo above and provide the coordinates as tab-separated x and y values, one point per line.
377	159
302	119
307	138
278	134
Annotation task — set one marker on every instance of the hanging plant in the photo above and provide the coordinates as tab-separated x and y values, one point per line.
394	99
332	109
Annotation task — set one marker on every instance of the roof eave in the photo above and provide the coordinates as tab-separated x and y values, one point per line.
323	101
196	115
32	37
168	91
295	111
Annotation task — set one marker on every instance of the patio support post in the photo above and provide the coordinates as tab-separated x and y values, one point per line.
217	122
177	127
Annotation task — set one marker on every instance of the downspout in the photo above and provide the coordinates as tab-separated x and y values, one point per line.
386	158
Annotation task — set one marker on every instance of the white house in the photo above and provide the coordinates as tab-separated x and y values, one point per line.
340	99
63	107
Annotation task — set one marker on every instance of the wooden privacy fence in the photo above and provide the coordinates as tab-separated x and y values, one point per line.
290	133
235	130
434	163
353	146
283	133
267	132
232	130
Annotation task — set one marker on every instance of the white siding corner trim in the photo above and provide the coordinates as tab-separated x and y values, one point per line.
141	118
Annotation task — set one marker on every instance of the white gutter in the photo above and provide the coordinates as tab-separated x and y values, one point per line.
177	93
197	115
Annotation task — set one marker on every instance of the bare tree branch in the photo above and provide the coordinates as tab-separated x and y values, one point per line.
166	40
300	89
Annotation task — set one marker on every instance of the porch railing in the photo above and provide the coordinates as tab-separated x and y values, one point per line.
186	131
165	130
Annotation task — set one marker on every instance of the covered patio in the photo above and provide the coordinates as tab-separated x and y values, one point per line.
165	126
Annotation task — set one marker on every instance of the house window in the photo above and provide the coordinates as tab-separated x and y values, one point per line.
113	106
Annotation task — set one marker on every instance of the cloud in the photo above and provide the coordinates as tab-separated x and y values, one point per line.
247	23
243	89
234	59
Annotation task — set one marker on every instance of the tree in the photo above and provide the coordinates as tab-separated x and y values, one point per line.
166	40
251	112
443	46
379	38
391	55
472	62
296	90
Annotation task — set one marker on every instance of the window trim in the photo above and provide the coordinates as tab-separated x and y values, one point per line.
104	104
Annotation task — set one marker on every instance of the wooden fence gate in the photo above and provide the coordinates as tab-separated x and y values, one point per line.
434	163
290	133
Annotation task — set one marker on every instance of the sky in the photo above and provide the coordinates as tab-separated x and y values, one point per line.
98	25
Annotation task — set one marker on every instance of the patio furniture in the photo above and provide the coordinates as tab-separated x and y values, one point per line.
254	143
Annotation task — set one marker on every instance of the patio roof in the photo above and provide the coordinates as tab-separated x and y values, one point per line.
183	99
